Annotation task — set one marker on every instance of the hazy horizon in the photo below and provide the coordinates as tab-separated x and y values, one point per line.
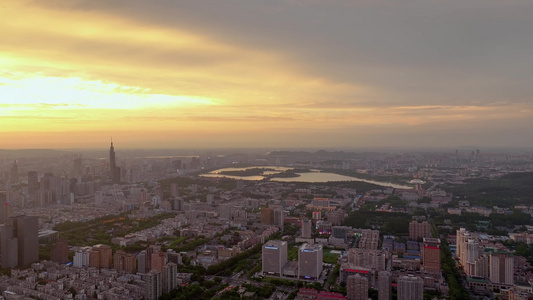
276	74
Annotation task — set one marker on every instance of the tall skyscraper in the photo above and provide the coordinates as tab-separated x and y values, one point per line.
310	261
431	254
26	230
274	257
410	288
114	171
357	287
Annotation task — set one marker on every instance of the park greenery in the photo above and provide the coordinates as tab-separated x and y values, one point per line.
102	230
387	223
507	191
452	275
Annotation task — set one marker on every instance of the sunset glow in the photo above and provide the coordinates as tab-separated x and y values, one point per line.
72	73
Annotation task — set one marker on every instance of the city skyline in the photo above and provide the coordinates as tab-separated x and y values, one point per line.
336	74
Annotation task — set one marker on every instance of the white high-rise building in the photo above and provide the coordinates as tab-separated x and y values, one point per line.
170	277
81	257
472	254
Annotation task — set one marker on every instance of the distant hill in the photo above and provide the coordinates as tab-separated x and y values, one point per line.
322	154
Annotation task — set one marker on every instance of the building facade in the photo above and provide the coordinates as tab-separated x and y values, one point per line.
274	257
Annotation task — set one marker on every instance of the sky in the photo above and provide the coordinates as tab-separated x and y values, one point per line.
266	73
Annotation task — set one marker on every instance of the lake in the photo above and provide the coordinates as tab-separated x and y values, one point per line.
312	177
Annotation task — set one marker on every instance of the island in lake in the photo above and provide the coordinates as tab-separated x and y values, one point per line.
247	172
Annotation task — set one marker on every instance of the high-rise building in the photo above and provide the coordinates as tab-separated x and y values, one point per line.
460	244
153	287
123	261
419	230
8	247
384	285
431	254
6	212
410	288
279	217
369	239
336	218
357	287
149	251
306	228
77	166
471	252
14	172
501	267
177	204
101	256
274	257
339	232
482	266
267	216
368	259
33	182
310	261
174	257
159	259
26	230
59	251
114	171
170	280
94	258
141	261
174	191
82	257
